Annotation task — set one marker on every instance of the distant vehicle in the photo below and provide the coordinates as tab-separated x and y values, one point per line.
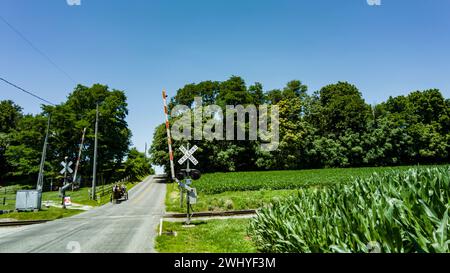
161	178
119	194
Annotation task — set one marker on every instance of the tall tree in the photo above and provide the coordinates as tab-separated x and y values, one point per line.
137	165
23	153
233	92
10	114
257	93
79	112
295	88
339	107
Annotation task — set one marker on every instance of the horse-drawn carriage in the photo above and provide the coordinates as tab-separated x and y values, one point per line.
119	194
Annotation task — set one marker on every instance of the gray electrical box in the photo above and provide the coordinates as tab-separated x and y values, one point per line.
192	195
28	200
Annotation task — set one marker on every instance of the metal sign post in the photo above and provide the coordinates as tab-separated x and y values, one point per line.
191	193
66	169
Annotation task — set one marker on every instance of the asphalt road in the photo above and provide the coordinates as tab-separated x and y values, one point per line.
128	227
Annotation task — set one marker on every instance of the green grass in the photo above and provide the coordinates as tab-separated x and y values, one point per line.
82	196
10	202
44	214
79	197
10	196
281	180
224	201
214	236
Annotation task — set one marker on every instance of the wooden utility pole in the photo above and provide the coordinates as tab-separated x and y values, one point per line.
94	173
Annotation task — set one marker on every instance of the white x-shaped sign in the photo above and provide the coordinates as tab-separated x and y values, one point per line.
66	167
188	155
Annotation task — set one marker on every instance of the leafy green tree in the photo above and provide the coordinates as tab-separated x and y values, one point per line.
332	128
233	92
339	107
328	152
430	107
207	90
137	165
23	154
295	89
289	153
274	96
424	116
159	151
10	114
79	112
24	143
257	93
386	143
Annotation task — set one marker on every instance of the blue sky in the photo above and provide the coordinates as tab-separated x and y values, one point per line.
143	46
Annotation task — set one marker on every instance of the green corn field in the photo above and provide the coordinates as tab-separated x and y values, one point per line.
393	212
215	183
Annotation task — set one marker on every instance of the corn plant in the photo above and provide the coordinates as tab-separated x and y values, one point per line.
399	211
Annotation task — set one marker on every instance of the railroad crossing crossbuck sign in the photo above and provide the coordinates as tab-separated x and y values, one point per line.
66	167
188	155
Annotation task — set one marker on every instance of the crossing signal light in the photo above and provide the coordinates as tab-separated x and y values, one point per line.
193	174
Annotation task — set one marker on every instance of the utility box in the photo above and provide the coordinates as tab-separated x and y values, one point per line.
28	200
192	195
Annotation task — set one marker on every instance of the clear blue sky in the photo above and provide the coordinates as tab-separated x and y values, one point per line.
143	46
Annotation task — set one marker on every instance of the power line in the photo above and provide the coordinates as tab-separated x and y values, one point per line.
28	92
36	49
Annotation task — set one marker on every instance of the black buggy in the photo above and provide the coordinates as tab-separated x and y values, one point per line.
119	194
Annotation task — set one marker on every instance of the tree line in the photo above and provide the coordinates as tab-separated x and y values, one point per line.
22	137
332	127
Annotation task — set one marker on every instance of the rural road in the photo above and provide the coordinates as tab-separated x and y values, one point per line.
123	228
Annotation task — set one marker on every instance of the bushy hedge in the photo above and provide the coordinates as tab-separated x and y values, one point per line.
395	212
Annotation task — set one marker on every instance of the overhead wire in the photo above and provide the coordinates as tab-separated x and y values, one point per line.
35	48
26	91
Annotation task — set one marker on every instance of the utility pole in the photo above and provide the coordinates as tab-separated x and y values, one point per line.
78	159
188	178
94	174
40	182
145	151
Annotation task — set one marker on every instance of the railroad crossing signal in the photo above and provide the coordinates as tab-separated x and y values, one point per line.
188	155
191	193
66	167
